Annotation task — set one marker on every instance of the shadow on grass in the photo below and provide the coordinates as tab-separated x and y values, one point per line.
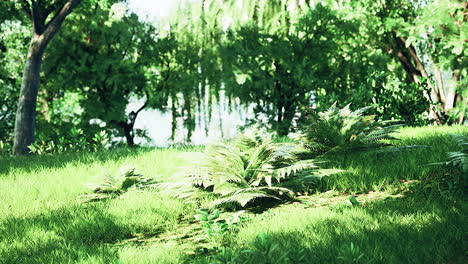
61	236
410	159
395	230
34	162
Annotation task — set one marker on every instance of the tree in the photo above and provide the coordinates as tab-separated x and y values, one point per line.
411	31
282	70
46	19
441	32
111	56
13	45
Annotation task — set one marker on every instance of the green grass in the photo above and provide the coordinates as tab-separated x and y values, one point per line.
43	222
394	230
384	169
406	218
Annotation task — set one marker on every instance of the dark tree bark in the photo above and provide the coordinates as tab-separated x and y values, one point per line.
416	70
285	105
26	108
128	126
42	34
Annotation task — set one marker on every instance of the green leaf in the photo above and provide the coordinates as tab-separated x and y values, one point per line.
353	200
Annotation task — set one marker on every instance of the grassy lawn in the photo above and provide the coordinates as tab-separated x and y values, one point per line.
408	213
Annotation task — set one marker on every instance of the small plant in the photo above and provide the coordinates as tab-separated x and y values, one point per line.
113	186
41	147
225	256
100	140
215	228
264	250
459	159
351	254
248	168
76	140
338	130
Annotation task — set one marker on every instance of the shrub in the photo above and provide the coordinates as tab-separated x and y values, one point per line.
214	226
248	168
337	130
75	140
113	186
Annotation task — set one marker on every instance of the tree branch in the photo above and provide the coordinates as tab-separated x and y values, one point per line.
38	19
27	9
142	107
54	25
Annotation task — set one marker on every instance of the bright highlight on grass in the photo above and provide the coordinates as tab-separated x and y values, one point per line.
406	211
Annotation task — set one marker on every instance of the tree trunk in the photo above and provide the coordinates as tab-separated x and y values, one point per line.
407	56
451	93
461	118
440	85
128	126
26	108
129	136
42	34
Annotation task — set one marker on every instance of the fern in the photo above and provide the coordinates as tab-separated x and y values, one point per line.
459	159
115	185
336	130
249	168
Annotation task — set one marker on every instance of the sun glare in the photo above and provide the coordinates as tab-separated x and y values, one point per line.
153	9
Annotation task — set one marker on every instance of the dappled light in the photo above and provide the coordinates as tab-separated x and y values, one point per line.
233	131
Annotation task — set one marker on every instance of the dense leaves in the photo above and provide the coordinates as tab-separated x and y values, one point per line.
249	168
337	130
277	58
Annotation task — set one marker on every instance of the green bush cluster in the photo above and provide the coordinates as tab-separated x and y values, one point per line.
255	167
75	140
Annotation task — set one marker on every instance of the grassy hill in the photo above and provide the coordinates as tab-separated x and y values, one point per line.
407	211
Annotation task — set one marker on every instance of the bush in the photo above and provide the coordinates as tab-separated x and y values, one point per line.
75	140
338	130
248	168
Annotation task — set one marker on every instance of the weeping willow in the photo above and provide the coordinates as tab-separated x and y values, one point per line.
200	28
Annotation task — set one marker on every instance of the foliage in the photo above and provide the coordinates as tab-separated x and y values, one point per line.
216	228
337	130
109	60
143	226
425	38
282	70
248	168
4	148
394	99
115	185
459	159
13	47
75	140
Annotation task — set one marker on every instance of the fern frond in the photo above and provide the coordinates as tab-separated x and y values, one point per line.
284	172
242	198
113	186
340	129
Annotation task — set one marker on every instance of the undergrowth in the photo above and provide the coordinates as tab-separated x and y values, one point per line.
406	211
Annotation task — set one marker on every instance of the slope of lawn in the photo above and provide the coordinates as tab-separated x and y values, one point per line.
407	213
